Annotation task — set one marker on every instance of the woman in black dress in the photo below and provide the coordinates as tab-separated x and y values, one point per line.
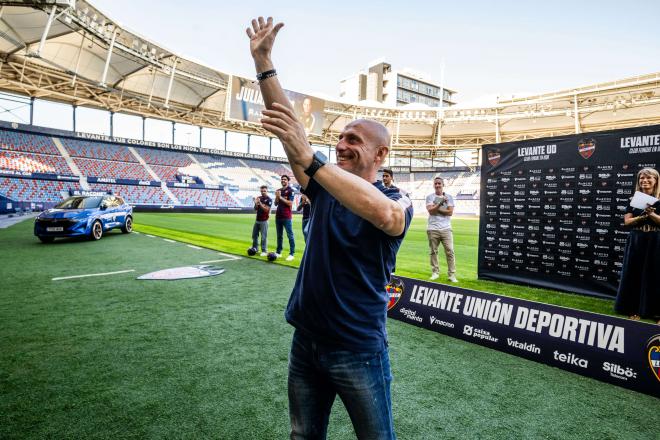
639	290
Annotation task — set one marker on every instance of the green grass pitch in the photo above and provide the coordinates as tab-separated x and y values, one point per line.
113	357
232	232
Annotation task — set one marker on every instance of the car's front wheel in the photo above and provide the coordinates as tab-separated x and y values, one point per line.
128	225
97	230
45	239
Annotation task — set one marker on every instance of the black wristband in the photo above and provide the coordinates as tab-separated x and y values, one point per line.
267	74
317	162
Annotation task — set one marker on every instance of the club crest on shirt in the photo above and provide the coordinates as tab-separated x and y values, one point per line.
494	157
394	290
586	147
653	355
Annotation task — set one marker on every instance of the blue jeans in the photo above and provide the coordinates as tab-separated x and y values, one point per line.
260	228
318	373
305	228
286	224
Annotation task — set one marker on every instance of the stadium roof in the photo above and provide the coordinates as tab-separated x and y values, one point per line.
78	55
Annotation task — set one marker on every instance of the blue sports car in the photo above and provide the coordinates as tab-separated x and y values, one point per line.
88	216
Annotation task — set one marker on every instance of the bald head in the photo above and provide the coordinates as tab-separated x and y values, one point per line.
363	146
374	131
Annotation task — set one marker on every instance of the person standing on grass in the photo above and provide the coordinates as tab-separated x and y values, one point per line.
305	206
440	206
262	205
338	304
283	217
639	289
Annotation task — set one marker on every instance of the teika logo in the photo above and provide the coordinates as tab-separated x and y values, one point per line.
571	359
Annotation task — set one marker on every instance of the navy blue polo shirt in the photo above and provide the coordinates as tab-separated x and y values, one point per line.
339	297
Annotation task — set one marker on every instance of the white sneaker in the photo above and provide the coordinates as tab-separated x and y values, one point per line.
435	276
289	258
264	254
453	279
278	255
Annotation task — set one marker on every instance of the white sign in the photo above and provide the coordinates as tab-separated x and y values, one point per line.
640	200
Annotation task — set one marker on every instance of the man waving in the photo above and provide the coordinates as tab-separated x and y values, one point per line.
338	304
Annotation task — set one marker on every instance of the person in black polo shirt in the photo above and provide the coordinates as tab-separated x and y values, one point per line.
338	304
262	205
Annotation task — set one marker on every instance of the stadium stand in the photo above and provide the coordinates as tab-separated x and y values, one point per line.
112	169
33	163
97	150
230	171
462	185
17	141
270	171
165	173
162	157
33	190
241	178
135	194
204	197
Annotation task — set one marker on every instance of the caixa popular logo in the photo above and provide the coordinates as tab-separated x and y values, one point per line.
653	355
494	157
394	289
586	147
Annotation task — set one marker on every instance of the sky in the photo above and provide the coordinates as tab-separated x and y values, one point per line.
488	48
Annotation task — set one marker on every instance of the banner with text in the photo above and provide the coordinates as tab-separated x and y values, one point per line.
552	209
246	104
41	176
111	180
619	351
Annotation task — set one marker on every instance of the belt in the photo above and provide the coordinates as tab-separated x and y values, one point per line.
647	228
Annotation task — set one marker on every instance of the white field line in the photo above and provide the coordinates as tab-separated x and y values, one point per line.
193	246
218	261
149	235
229	256
92	275
168	240
135	232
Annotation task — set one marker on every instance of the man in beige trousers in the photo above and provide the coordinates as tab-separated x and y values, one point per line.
441	207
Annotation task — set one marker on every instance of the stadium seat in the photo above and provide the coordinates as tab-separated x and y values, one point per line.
33	162
135	194
34	190
97	150
31	143
204	197
112	169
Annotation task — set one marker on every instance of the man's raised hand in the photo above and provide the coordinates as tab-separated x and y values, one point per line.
262	36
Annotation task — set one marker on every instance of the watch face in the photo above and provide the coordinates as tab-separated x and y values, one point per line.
320	157
318	161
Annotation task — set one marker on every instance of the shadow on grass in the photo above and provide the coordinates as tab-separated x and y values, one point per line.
77	239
